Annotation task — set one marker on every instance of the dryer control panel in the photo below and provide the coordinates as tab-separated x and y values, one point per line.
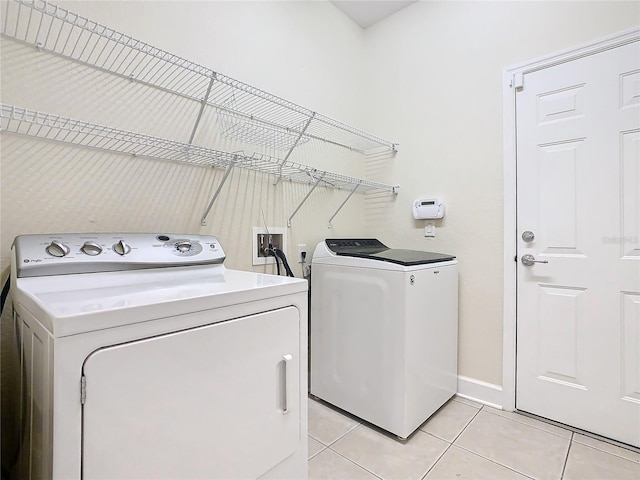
58	254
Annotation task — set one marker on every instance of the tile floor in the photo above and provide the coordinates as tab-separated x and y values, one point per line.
463	440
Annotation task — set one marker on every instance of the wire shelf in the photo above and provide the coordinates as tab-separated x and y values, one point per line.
270	120
18	120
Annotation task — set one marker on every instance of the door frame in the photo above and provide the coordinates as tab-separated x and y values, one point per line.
512	81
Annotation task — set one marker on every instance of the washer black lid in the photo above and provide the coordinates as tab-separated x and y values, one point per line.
375	250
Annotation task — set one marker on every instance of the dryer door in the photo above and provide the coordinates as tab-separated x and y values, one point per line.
219	401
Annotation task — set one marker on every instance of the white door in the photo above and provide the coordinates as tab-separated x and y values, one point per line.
578	193
216	402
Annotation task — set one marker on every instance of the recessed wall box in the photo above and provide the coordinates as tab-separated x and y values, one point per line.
428	208
262	237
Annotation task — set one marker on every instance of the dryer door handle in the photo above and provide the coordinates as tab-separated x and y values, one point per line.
288	359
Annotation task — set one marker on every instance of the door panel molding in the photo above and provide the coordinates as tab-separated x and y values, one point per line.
512	81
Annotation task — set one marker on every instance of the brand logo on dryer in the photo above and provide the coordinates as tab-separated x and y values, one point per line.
412	279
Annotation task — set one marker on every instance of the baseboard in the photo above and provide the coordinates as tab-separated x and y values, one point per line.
479	391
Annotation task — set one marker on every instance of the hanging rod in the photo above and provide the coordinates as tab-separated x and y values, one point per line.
69	35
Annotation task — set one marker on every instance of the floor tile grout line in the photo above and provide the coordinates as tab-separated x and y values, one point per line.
436	436
482	456
377	476
317	453
458	435
467	424
566	458
493	461
532	426
327	445
437	460
345	434
369	471
355	463
579	431
318	440
606	451
572	430
324	447
453	441
463	428
340	437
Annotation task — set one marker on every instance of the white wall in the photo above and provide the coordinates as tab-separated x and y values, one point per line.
434	77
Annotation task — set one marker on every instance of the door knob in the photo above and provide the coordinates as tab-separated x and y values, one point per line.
528	260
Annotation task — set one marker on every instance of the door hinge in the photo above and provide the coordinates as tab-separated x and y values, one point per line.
517	81
83	390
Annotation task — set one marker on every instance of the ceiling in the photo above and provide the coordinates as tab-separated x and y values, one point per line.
367	12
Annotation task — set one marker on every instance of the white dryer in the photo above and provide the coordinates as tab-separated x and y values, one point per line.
384	331
143	357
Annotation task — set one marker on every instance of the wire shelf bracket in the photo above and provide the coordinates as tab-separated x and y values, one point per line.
203	104
343	204
203	220
297	140
320	177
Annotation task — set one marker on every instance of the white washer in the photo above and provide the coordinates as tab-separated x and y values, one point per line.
143	357
384	331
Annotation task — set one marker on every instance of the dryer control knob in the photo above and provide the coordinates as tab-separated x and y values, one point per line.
121	248
91	248
183	246
57	249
